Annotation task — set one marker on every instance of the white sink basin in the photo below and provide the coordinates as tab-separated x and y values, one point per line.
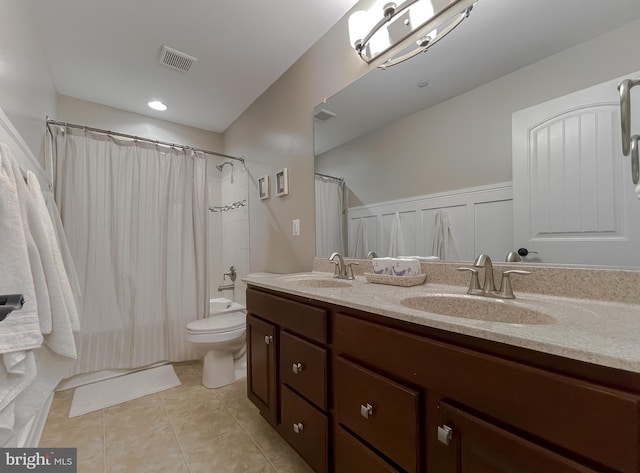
477	308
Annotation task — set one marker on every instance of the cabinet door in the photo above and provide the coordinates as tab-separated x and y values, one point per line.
261	367
477	446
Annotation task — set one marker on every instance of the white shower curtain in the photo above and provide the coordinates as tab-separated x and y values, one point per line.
329	216
135	218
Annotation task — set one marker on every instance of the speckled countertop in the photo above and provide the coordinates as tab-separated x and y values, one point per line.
601	332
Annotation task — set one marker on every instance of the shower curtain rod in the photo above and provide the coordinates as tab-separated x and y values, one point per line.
138	138
330	177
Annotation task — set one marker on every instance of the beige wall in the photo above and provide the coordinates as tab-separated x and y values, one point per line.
277	132
466	141
27	91
81	112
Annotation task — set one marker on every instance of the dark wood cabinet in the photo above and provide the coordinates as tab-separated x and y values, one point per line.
462	442
262	384
287	372
361	392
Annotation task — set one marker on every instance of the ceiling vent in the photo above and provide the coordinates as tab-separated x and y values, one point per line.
175	59
323	115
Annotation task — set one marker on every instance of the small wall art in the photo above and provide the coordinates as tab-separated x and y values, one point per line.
282	183
263	187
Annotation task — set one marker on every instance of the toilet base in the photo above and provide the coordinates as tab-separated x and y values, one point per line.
218	369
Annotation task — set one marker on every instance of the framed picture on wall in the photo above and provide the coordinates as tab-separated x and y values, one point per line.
282	183
263	187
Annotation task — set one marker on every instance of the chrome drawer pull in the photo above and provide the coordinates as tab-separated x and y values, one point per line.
297	367
444	434
366	411
268	339
298	427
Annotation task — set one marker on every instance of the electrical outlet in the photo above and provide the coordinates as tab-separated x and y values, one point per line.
296	227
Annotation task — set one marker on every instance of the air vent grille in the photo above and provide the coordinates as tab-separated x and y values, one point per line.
175	59
323	115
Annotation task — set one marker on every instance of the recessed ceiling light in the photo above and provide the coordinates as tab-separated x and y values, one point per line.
157	105
423	83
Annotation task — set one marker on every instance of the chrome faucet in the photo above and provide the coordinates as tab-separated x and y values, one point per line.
484	261
489	286
232	275
342	270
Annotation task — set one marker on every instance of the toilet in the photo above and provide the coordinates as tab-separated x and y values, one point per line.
220	338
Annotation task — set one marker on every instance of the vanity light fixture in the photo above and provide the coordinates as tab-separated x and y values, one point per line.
371	35
157	105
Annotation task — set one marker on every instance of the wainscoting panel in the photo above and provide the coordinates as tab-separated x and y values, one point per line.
480	220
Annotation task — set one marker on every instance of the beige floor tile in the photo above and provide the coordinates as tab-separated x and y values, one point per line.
76	432
230	453
233	391
201	427
180	401
265	468
155	460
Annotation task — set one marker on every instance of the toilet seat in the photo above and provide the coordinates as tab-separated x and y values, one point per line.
218	324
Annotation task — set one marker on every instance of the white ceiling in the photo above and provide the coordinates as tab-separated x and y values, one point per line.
499	37
106	51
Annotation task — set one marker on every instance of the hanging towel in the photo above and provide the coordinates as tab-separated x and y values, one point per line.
61	237
21	329
360	240
63	308
12	384
396	237
443	245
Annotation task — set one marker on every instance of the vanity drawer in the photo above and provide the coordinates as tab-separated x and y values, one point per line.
303	319
593	421
382	412
352	455
303	367
306	429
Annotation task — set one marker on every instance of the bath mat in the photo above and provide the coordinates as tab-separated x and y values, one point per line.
110	392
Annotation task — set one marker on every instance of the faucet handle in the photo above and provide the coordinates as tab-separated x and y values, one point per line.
474	284
348	268
506	291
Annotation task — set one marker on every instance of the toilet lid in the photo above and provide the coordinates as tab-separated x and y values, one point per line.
218	323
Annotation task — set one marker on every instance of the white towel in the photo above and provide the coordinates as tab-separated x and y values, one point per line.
57	270
72	274
61	338
11	385
396	237
360	240
396	266
21	329
443	244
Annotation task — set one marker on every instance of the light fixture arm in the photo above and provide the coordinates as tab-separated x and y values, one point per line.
390	11
426	42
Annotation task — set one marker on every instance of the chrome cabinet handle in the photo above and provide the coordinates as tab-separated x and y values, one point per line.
366	411
444	434
297	367
298	427
268	339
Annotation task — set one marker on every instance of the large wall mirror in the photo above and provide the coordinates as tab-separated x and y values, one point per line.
424	151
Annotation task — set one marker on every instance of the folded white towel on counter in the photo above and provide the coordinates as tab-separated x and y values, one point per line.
21	329
396	266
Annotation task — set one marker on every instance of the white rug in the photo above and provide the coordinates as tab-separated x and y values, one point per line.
110	392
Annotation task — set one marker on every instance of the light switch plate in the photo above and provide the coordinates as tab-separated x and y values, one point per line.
296	227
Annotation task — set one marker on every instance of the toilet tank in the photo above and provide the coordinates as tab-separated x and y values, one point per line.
222	305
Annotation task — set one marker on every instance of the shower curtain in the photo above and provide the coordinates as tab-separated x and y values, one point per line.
329	216
135	218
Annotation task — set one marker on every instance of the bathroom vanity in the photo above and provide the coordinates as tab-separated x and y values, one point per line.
357	382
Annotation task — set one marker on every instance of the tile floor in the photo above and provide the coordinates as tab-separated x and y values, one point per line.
187	429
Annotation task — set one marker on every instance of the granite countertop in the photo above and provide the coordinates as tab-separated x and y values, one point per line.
600	332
